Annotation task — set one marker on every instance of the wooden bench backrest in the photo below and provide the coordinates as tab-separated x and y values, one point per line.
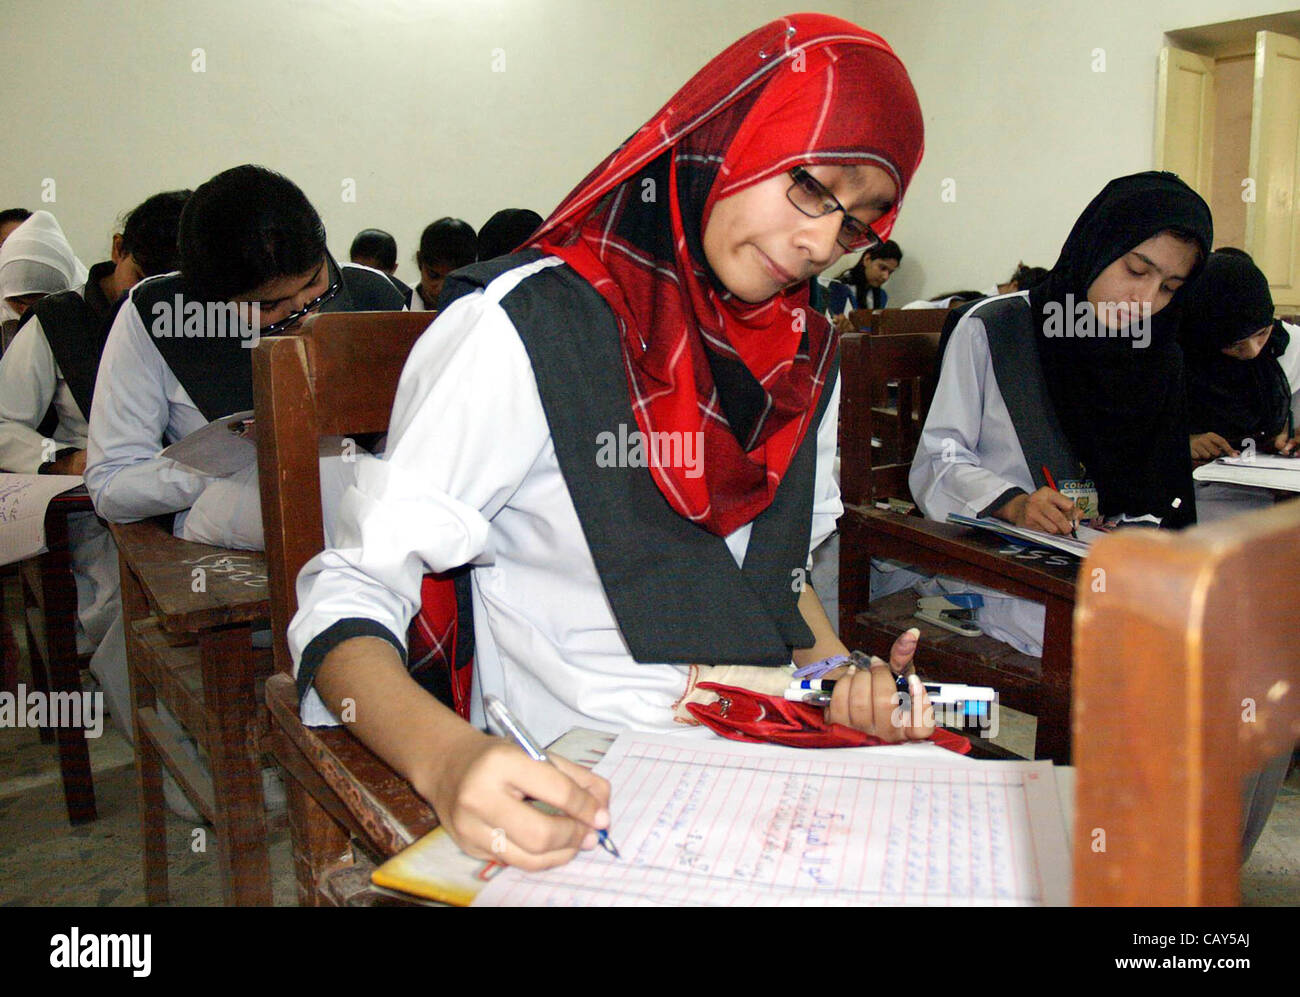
906	321
867	363
338	377
1186	678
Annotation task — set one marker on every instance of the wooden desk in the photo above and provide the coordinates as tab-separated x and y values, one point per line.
349	811
50	609
982	558
189	644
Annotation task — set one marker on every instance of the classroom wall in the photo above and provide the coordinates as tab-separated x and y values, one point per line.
1016	116
113	102
400	96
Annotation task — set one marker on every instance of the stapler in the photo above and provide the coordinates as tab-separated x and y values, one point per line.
957	613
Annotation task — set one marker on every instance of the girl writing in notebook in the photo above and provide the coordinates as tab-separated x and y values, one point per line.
628	428
1080	379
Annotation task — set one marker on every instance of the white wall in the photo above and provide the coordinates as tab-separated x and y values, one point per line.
397	94
400	96
1016	116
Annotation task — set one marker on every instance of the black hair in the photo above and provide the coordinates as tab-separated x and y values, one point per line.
448	242
856	275
149	234
1234	251
244	227
506	231
1026	277
14	215
375	244
887	250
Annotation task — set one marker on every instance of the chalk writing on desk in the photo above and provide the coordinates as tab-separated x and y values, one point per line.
1036	554
700	824
238	568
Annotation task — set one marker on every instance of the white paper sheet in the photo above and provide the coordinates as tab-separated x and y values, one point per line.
1079	548
23	501
723	823
1260	471
217	449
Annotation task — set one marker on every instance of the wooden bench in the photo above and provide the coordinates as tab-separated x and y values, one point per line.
347	809
1186	679
189	611
1041	688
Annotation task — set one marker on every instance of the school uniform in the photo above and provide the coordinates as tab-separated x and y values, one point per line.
596	580
46	385
155	390
842	298
1244	401
47	382
415	301
569	605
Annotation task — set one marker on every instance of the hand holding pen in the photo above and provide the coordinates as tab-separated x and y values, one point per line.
866	698
500	717
1074	506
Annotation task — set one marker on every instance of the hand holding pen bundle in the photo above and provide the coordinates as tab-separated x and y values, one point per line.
862	692
914	698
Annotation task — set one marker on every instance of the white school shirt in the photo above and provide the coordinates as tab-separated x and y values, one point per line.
471	476
969	453
139	402
30	380
417	302
968	456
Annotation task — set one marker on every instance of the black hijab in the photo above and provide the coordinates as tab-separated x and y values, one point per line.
1122	406
1238	399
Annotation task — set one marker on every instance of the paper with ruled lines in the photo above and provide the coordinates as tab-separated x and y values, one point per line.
723	823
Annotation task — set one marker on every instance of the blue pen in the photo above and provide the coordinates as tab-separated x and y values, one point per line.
501	718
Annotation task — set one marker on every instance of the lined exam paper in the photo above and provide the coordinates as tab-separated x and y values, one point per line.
724	823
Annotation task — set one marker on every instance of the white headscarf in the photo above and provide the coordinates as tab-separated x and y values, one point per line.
37	259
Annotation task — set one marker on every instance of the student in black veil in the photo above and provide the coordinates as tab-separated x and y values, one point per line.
1080	375
1087	374
1236	387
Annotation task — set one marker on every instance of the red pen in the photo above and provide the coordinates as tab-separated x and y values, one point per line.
1051	483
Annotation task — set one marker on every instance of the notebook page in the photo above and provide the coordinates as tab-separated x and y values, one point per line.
723	823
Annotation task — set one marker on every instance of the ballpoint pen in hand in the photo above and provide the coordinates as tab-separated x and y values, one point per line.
1052	484
503	720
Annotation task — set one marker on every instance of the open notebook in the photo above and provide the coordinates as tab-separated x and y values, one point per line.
1021	534
1259	470
714	822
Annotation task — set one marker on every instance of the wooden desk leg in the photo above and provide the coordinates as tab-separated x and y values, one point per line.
148	762
231	704
1053	736
64	675
319	844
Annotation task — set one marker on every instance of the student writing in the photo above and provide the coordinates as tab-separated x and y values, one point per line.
685	312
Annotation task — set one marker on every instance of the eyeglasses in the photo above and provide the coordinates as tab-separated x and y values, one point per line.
275	328
814	200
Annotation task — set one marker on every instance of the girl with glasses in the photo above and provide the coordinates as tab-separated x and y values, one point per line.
253	262
628	428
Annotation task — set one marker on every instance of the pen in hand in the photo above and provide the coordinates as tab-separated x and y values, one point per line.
1052	484
504	721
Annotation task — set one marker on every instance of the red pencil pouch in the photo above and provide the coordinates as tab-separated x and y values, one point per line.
744	715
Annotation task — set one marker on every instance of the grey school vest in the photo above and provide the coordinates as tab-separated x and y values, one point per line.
1009	325
674	588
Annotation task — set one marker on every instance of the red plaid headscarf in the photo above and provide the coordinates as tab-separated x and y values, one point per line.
806	89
